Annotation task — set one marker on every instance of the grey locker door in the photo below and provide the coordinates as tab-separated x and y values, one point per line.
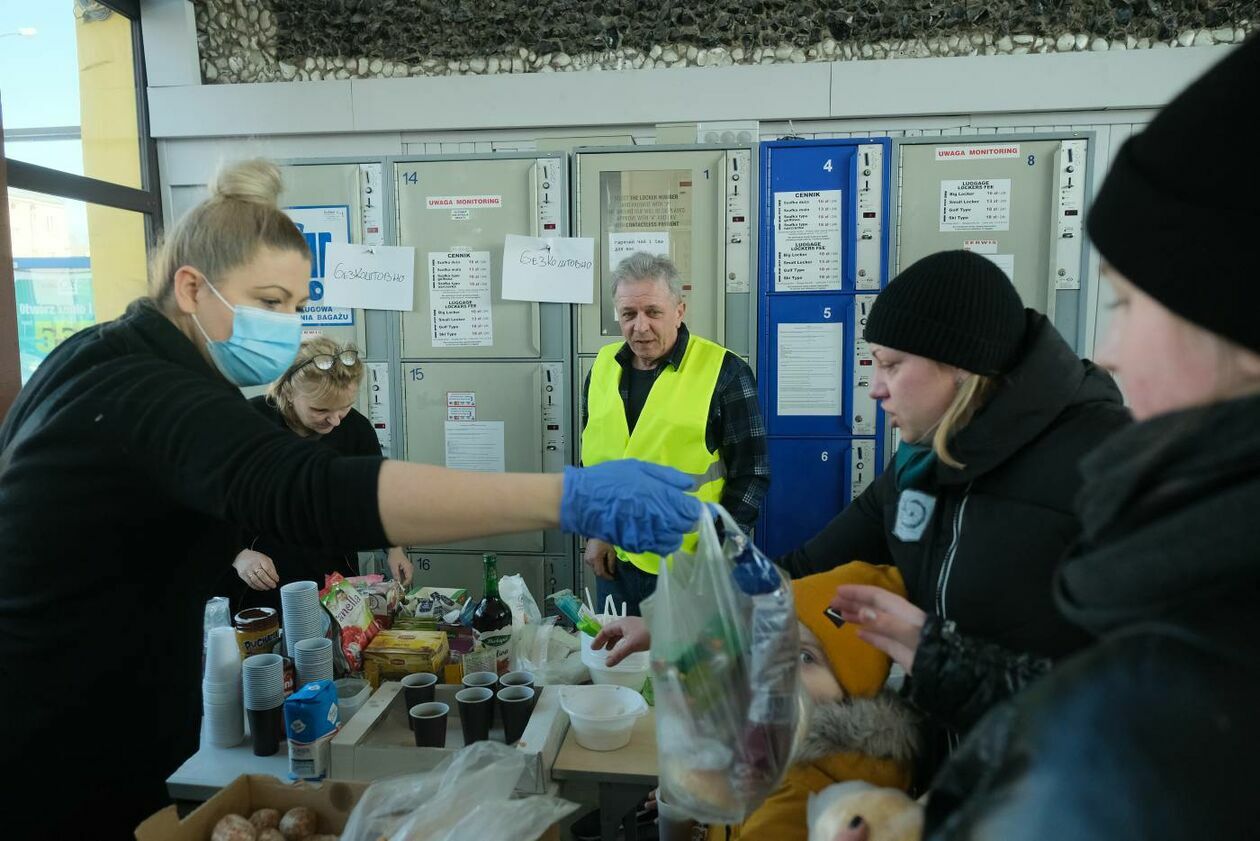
504	392
930	220
432	227
332	185
464	569
679	193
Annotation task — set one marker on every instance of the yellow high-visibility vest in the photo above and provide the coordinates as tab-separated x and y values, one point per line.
670	429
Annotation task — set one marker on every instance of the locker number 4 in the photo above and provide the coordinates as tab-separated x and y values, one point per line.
827	165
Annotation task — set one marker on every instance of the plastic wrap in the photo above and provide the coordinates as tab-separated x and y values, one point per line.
468	796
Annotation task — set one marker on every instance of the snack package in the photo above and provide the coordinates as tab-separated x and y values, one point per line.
355	625
383	598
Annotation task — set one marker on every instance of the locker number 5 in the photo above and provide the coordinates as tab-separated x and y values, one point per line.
826	312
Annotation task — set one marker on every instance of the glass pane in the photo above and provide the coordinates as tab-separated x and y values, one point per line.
74	265
68	87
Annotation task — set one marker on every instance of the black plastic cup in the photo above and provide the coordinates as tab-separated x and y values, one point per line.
428	720
476	710
267	728
516	703
521	678
418	688
490	680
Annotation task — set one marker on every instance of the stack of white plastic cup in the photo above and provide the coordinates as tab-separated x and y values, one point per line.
221	690
302	613
314	660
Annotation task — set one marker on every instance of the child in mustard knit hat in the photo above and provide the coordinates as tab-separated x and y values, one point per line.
856	730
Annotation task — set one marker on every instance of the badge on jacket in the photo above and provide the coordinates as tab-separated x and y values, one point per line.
914	510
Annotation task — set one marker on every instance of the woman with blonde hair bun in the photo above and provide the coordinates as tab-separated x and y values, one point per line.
129	465
315	400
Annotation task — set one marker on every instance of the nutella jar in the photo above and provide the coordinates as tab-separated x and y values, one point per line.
257	630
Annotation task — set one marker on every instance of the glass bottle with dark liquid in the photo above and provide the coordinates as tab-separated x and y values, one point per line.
492	620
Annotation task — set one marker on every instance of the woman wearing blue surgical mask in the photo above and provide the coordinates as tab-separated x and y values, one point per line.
129	464
314	399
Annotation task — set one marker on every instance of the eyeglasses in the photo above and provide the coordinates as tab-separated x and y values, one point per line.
326	361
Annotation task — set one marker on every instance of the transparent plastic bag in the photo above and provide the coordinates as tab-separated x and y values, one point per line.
514	591
551	653
725	673
437	806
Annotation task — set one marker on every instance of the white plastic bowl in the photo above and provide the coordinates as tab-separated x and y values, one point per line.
602	716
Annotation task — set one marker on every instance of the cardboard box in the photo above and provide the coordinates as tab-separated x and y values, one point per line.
377	742
393	655
331	800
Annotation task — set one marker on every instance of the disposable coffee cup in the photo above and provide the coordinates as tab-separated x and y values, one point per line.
476	710
428	721
418	688
516	704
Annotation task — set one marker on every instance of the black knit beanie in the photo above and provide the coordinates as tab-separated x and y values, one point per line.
954	307
1179	213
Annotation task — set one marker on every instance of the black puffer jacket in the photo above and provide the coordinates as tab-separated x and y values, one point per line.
1152	733
1000	525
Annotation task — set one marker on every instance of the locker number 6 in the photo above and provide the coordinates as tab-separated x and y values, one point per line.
826	312
824	456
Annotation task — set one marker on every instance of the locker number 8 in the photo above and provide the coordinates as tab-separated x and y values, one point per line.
824	456
827	165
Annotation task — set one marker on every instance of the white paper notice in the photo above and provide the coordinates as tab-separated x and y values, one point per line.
807	240
1005	262
475	445
621	246
459	298
978	205
558	270
377	277
322	226
983	152
810	357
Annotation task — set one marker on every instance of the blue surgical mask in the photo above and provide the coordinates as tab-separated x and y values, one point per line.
262	346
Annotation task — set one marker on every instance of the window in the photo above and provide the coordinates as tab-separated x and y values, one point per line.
81	174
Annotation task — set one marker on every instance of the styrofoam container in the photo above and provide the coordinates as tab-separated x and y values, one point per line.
617	676
602	717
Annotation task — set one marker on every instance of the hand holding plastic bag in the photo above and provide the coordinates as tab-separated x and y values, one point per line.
725	673
436	806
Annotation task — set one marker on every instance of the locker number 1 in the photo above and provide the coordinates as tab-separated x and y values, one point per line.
827	165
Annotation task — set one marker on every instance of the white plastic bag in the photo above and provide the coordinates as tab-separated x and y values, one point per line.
550	652
515	593
725	672
466	798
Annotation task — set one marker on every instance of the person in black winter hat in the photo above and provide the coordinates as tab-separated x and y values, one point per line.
994	410
1152	732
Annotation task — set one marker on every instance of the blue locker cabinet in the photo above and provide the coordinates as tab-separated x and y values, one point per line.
823	257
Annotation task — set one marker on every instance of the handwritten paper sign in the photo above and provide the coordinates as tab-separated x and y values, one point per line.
557	270
377	277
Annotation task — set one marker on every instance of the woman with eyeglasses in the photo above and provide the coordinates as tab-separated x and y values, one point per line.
314	399
131	462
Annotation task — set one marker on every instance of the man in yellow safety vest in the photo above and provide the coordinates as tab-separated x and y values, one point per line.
669	397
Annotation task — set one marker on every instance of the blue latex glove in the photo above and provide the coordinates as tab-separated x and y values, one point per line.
629	503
